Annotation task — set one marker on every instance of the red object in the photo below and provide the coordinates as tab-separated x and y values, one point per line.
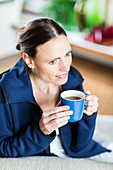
101	35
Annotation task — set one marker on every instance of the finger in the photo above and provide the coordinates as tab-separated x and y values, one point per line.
60	114
91	109
57	121
88	113
60	124
58	104
88	92
92	97
91	103
54	124
55	110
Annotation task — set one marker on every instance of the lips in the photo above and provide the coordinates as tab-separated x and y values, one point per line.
62	76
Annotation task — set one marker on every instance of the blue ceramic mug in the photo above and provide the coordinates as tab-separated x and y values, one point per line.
75	99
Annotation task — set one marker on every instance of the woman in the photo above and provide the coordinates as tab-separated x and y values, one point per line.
32	121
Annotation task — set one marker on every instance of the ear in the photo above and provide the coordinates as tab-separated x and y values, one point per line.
29	62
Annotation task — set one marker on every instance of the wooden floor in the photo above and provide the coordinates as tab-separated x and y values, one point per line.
98	79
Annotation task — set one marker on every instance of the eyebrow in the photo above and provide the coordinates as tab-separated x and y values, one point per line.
70	51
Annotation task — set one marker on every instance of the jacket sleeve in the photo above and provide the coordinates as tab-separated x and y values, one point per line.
83	129
28	141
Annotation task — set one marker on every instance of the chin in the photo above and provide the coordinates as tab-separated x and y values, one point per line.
62	81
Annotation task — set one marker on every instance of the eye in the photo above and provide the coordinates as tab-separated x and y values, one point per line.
69	54
52	62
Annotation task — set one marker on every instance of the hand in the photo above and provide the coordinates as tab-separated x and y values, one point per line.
54	118
92	104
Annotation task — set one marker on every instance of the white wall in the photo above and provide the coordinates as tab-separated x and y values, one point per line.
9	14
110	13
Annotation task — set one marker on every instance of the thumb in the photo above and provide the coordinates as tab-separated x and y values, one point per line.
88	92
58	104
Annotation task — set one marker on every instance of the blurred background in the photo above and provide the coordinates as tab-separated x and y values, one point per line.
89	26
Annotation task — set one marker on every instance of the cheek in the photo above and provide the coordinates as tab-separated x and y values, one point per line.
48	70
69	61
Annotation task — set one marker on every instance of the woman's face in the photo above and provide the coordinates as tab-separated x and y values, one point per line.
53	60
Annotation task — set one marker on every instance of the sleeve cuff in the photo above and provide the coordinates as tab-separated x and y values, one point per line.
50	136
93	115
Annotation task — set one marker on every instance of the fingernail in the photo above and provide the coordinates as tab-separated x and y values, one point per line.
71	112
67	107
68	117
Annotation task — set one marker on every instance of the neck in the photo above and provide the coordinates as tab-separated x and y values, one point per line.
40	85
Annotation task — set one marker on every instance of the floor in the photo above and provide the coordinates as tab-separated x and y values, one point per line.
8	62
98	79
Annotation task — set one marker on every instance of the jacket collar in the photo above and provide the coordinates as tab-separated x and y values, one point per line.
16	84
74	79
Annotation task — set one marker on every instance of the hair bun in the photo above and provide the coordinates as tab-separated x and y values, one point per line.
18	46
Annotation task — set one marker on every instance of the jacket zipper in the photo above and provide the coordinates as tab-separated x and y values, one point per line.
62	142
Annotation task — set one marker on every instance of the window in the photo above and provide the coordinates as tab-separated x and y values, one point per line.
5	1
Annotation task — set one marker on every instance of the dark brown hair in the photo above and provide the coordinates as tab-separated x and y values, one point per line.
37	32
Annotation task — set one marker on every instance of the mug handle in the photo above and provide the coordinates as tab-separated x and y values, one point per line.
85	104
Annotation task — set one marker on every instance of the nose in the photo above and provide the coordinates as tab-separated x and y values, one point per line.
63	66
